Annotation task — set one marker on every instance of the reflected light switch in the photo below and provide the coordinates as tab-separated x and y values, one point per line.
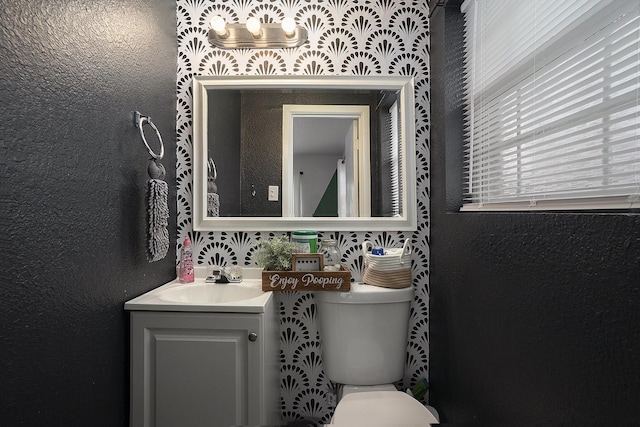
273	193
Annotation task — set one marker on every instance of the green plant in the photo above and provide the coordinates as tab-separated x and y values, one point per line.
275	254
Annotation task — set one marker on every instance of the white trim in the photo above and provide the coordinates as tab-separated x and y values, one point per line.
405	87
596	203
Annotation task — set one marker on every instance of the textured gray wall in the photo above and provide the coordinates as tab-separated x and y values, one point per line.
72	182
534	316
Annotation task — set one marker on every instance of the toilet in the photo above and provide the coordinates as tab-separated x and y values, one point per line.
364	336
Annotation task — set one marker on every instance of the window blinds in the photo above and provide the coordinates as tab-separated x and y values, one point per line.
553	119
391	159
396	161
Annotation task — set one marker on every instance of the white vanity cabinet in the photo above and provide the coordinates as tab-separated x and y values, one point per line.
204	369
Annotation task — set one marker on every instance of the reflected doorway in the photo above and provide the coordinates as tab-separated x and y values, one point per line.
326	154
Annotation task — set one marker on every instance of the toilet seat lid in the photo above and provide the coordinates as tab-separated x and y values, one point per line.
391	408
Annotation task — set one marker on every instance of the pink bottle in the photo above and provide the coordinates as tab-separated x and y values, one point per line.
186	262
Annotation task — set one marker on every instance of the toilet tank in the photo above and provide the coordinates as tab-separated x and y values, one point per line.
364	333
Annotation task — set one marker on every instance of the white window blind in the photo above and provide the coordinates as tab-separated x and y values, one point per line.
553	119
390	160
395	159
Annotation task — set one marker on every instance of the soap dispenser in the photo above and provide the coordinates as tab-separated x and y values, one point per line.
186	262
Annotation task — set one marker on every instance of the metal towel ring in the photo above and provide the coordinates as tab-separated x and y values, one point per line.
140	120
212	170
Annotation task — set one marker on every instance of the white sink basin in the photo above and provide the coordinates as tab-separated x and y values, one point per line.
244	297
209	293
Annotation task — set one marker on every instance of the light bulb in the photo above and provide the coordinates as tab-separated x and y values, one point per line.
289	26
219	26
253	25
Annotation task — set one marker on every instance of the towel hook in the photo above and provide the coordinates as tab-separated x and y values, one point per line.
140	120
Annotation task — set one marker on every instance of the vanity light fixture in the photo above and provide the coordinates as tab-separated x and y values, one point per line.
289	26
219	26
256	35
253	26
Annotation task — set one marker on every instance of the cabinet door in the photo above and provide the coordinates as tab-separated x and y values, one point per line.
194	369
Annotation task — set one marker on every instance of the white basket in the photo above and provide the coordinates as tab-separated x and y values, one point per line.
391	270
393	258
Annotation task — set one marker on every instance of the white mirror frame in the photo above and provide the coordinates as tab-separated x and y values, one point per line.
405	86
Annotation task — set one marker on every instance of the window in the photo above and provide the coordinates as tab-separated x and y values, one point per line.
553	119
392	159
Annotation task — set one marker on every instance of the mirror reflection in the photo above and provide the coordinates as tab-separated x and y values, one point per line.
326	161
302	151
325	166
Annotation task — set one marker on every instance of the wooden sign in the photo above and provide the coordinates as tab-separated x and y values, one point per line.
307	280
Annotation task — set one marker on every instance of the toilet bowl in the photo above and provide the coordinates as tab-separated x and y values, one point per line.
364	336
382	408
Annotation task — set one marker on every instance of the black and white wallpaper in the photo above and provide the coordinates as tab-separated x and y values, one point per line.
346	37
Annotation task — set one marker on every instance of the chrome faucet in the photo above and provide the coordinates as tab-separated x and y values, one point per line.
215	276
224	275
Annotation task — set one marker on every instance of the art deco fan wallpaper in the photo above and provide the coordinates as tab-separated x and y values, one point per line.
346	37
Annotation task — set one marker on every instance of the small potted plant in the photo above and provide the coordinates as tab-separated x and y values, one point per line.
275	254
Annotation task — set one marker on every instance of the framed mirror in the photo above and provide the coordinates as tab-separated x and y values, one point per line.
327	153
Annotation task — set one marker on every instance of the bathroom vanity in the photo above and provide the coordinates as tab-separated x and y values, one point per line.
204	355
